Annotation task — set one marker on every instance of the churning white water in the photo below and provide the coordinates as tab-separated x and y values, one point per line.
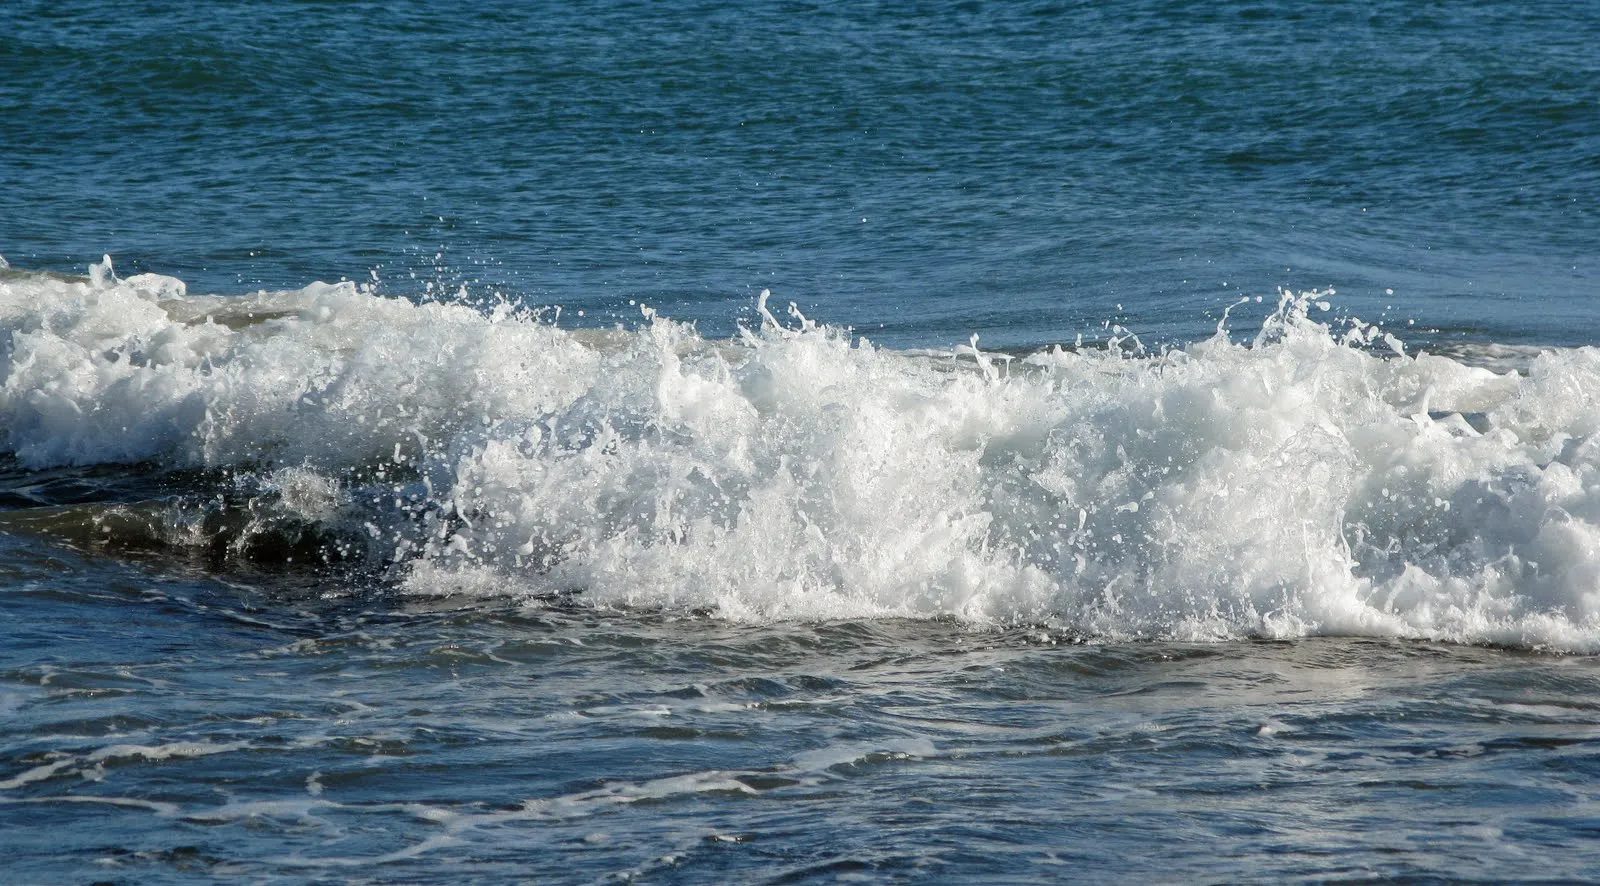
1314	479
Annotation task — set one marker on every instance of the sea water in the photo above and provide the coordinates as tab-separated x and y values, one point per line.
795	443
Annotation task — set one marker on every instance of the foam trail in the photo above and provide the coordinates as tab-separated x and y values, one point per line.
1299	483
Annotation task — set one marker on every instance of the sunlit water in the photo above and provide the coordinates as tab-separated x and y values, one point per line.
1255	536
171	727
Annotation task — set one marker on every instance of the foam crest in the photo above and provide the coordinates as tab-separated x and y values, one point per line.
1315	479
108	370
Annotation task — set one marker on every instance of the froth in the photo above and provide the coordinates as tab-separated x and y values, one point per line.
1315	479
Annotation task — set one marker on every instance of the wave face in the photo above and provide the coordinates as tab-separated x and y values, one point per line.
1299	483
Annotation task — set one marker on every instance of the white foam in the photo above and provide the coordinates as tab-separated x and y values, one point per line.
1300	483
164	809
855	753
91	765
37	773
165	751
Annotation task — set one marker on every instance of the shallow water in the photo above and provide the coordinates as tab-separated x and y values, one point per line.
931	442
168	728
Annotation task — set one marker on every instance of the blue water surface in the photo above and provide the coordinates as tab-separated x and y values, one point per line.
921	171
1029	172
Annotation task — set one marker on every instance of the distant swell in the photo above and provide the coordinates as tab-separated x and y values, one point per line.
1313	480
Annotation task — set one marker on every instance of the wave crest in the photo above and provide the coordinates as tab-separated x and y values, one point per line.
1316	479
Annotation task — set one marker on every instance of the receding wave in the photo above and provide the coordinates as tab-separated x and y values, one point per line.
1315	479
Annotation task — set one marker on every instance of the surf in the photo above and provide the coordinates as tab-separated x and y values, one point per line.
1313	478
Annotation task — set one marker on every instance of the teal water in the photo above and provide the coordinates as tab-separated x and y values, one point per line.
425	489
1022	169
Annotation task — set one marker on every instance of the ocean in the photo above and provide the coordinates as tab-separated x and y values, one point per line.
788	442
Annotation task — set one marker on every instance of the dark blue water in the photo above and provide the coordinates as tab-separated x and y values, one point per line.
417	581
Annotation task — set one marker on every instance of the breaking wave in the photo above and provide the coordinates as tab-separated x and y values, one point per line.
1314	479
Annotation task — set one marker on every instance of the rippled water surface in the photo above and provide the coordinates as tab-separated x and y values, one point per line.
932	170
790	442
171	728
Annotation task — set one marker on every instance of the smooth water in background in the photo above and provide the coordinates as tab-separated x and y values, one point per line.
548	442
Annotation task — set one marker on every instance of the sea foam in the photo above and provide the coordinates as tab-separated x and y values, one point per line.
1314	479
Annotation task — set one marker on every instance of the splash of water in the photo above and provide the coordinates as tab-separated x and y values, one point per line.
1314	479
